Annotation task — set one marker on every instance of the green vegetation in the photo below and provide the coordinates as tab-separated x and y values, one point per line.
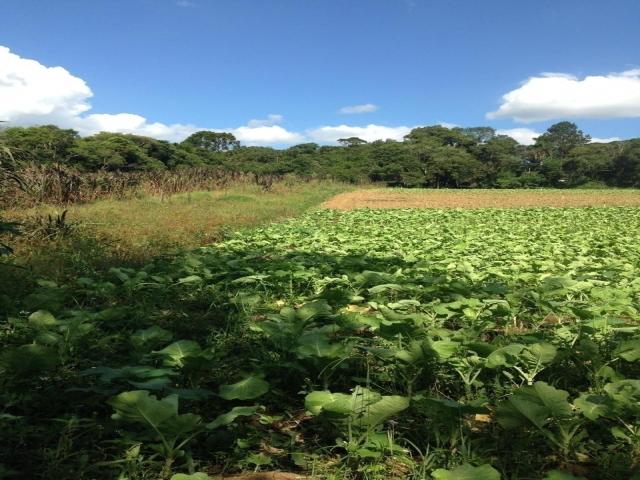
432	156
444	344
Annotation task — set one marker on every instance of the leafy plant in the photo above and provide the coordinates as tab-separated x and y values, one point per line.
467	472
160	421
545	408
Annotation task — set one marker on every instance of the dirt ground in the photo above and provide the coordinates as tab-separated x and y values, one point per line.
419	198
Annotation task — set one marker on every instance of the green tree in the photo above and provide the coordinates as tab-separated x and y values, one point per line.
502	157
396	165
45	144
212	141
560	139
627	165
118	151
438	135
351	141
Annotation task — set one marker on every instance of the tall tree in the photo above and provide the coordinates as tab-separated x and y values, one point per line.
560	139
212	141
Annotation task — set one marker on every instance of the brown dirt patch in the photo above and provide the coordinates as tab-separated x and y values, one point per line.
397	198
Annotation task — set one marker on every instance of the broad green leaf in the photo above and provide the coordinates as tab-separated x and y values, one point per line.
506	356
160	415
190	279
441	349
140	407
535	404
316	344
386	407
176	353
246	389
629	350
179	425
194	476
592	406
42	319
230	416
467	472
365	407
314	402
150	337
540	353
312	310
386	287
626	393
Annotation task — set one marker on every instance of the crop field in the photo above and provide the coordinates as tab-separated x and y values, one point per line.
442	344
478	198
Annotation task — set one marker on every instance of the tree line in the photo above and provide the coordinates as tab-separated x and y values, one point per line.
433	156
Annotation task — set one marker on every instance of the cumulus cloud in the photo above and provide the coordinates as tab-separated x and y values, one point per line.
34	94
363	108
266	135
29	89
371	132
131	123
605	140
558	95
266	131
524	136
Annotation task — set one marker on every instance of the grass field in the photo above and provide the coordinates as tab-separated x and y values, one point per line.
443	198
368	344
105	233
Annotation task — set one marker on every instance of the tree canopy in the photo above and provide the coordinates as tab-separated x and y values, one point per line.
431	156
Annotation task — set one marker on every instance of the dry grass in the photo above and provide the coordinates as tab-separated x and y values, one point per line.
133	231
397	198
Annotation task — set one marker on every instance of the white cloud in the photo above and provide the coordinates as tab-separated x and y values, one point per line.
266	135
330	134
34	94
29	89
272	119
266	131
558	95
605	140
524	136
131	123
363	108
448	125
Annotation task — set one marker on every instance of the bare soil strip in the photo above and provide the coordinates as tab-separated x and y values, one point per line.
397	198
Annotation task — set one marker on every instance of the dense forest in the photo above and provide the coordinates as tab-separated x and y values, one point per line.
433	156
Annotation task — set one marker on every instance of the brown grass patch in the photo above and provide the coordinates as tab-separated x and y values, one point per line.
418	198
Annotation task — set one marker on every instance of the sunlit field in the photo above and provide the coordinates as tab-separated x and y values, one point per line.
405	344
480	198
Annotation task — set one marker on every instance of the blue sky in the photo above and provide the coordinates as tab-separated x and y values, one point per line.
185	64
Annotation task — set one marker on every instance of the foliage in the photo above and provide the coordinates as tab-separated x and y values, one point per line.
363	344
431	156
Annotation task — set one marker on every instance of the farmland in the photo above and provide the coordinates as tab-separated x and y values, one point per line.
479	198
404	343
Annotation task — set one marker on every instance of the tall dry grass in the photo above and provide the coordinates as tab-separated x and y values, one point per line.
35	184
